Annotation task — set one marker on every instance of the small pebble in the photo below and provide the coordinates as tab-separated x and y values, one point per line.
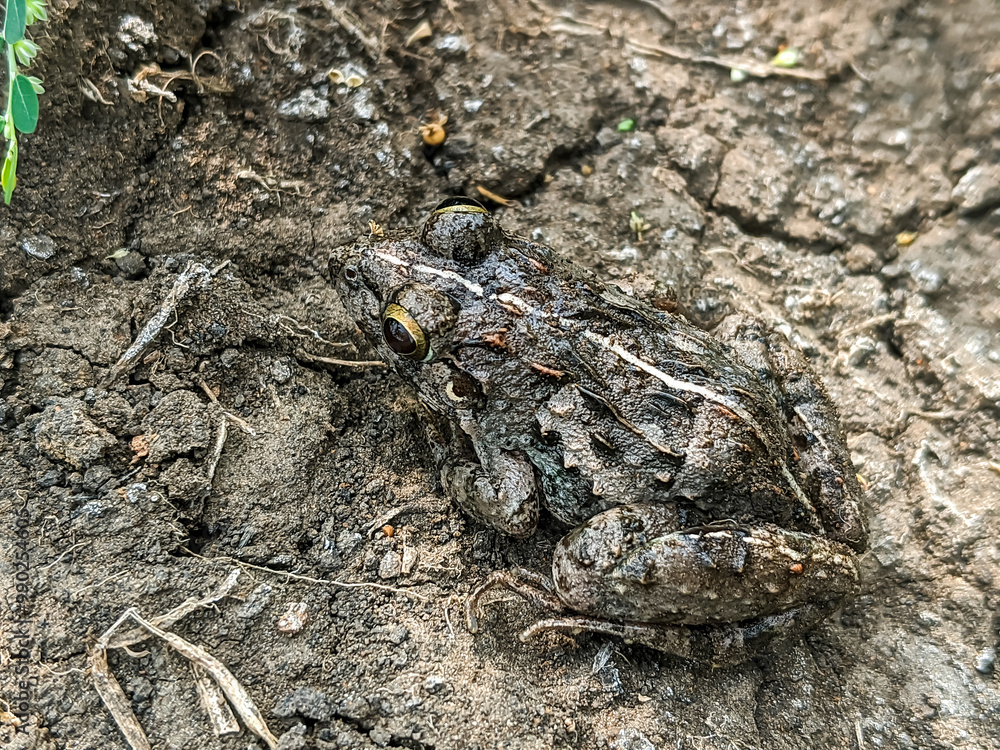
861	258
39	246
978	190
986	660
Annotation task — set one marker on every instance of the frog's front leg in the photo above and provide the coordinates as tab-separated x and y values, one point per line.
712	593
498	489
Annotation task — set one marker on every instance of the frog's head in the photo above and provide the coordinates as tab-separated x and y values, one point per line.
405	289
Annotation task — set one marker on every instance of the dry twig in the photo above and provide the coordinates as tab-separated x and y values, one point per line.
300	354
195	276
352	25
750	67
308	579
114	698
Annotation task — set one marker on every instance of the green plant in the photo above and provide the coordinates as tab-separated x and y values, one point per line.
21	115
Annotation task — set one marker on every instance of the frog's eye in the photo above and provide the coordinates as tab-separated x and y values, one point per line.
461	204
403	334
427	339
461	229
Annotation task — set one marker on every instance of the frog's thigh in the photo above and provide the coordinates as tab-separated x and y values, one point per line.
812	422
613	568
502	495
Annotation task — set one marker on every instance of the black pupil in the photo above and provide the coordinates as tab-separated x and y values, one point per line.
397	337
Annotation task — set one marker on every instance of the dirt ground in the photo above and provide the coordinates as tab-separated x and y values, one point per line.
790	197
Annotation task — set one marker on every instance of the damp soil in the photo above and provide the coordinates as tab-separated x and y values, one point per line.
857	210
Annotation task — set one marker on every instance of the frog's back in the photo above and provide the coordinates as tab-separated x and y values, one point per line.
617	402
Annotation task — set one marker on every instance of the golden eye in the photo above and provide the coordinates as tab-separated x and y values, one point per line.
402	333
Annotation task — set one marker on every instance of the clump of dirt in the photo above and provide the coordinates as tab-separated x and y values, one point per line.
857	208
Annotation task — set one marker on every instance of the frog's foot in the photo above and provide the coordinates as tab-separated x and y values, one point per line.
534	587
718	645
501	495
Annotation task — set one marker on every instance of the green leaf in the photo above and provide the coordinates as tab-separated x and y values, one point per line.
24	104
8	177
14	22
788	58
36	84
626	126
25	50
35	11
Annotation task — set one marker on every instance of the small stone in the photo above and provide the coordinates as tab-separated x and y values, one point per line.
861	351
308	106
631	739
978	190
452	43
294	618
398	634
986	660
293	739
39	246
229	357
928	280
861	259
608	137
348	541
256	602
380	736
962	160
390	565
434	684
133	265
409	561
281	372
135	33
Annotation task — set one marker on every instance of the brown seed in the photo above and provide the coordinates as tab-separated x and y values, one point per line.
388	530
433	134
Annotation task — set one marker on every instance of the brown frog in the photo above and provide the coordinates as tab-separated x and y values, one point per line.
713	500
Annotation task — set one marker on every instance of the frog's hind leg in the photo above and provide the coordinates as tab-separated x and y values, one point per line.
532	586
822	454
716	645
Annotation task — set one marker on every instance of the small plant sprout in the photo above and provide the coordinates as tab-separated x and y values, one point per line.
638	225
21	113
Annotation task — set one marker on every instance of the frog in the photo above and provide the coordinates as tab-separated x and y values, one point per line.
712	506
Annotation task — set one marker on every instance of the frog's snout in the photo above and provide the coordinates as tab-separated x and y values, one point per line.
339	259
345	269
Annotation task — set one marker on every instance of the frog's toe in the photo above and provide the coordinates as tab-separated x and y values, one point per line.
532	586
715	645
